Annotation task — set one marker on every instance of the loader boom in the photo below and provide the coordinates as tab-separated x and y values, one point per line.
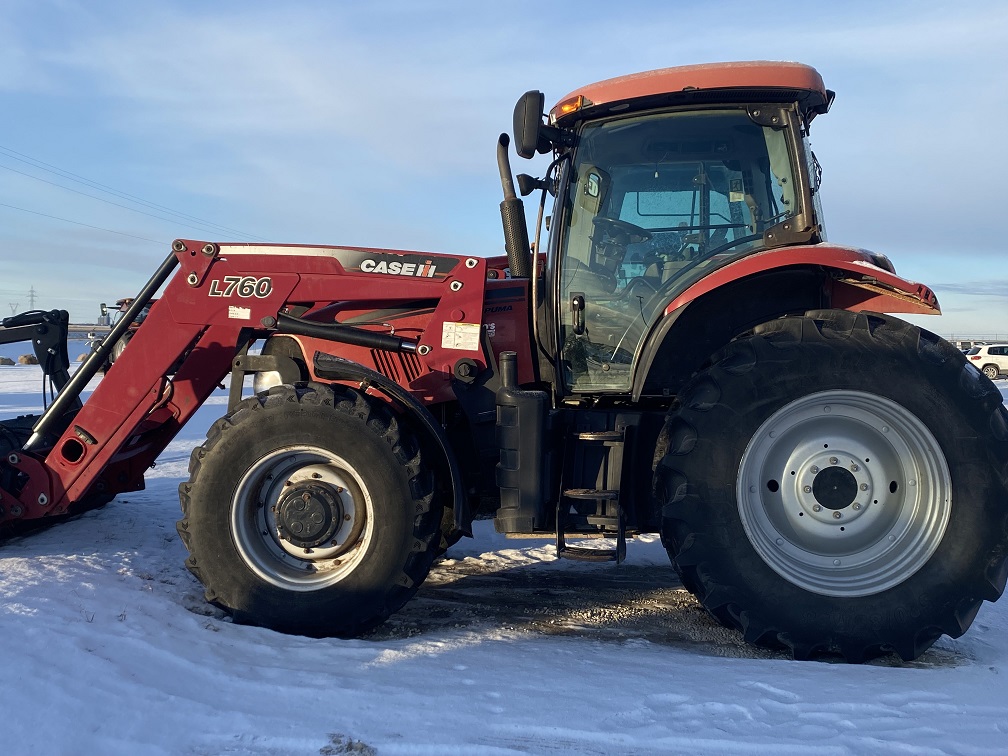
220	298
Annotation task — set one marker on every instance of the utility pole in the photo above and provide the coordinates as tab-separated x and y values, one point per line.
31	298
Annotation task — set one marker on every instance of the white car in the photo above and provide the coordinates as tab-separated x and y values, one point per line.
992	359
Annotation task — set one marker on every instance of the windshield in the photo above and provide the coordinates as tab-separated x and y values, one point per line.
654	203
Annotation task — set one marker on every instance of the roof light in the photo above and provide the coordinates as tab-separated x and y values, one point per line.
568	106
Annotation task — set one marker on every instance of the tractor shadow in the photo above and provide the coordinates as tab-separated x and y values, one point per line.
603	603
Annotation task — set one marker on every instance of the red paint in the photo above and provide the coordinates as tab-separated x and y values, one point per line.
857	263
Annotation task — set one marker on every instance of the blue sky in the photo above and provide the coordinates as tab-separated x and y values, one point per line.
375	124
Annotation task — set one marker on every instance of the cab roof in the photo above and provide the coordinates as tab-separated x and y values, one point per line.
754	81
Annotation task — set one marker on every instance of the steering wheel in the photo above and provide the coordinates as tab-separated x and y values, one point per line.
620	231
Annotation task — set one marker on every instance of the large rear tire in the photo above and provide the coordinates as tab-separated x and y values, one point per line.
309	510
838	483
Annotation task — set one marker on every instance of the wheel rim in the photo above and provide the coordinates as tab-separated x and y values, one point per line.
302	518
844	493
991	372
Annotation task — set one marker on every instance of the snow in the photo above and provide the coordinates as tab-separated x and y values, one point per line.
111	649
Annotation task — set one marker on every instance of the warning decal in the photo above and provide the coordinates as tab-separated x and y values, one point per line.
463	336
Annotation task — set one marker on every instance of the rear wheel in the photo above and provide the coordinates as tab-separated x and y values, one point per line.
807	481
119	346
991	371
309	510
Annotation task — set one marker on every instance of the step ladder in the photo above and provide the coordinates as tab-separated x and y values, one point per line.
607	516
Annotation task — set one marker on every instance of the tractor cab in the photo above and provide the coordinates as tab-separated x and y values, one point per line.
655	192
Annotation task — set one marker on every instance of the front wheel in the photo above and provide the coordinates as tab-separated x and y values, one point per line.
310	510
837	483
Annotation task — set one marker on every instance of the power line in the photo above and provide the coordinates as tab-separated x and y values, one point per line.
49	168
86	225
114	204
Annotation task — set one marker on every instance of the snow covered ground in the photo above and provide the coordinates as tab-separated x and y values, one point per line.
111	649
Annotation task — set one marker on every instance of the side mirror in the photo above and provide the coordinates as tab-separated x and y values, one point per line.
528	115
527	184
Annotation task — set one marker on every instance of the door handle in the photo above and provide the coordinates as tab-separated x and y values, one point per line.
577	304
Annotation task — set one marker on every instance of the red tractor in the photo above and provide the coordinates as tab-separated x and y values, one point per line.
687	355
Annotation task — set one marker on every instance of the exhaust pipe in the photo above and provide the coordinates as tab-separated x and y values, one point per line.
516	242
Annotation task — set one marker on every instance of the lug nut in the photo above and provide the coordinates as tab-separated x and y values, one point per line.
864	486
816	508
837	515
856	506
833	460
854	468
814	469
807	489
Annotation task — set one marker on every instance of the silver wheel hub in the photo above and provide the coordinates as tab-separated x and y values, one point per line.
300	518
844	493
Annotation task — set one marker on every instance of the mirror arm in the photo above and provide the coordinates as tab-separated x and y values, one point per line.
556	137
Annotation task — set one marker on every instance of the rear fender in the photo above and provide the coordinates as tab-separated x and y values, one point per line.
856	279
762	287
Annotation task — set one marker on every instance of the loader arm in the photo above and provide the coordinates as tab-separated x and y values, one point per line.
219	298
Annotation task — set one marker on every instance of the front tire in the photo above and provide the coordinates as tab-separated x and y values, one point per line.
837	483
309	510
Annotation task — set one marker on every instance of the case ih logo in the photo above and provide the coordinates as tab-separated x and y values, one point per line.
426	269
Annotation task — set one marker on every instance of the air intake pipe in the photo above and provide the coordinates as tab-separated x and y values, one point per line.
516	241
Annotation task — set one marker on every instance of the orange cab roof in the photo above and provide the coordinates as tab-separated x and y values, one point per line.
760	74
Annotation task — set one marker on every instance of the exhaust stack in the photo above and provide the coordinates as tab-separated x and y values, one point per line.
516	242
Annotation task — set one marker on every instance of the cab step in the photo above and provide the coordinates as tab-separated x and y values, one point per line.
607	518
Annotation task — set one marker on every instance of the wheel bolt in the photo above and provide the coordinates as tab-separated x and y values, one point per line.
854	468
833	460
815	469
864	486
816	508
856	506
807	489
837	515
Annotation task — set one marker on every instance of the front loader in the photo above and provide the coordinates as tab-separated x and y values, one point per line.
686	355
